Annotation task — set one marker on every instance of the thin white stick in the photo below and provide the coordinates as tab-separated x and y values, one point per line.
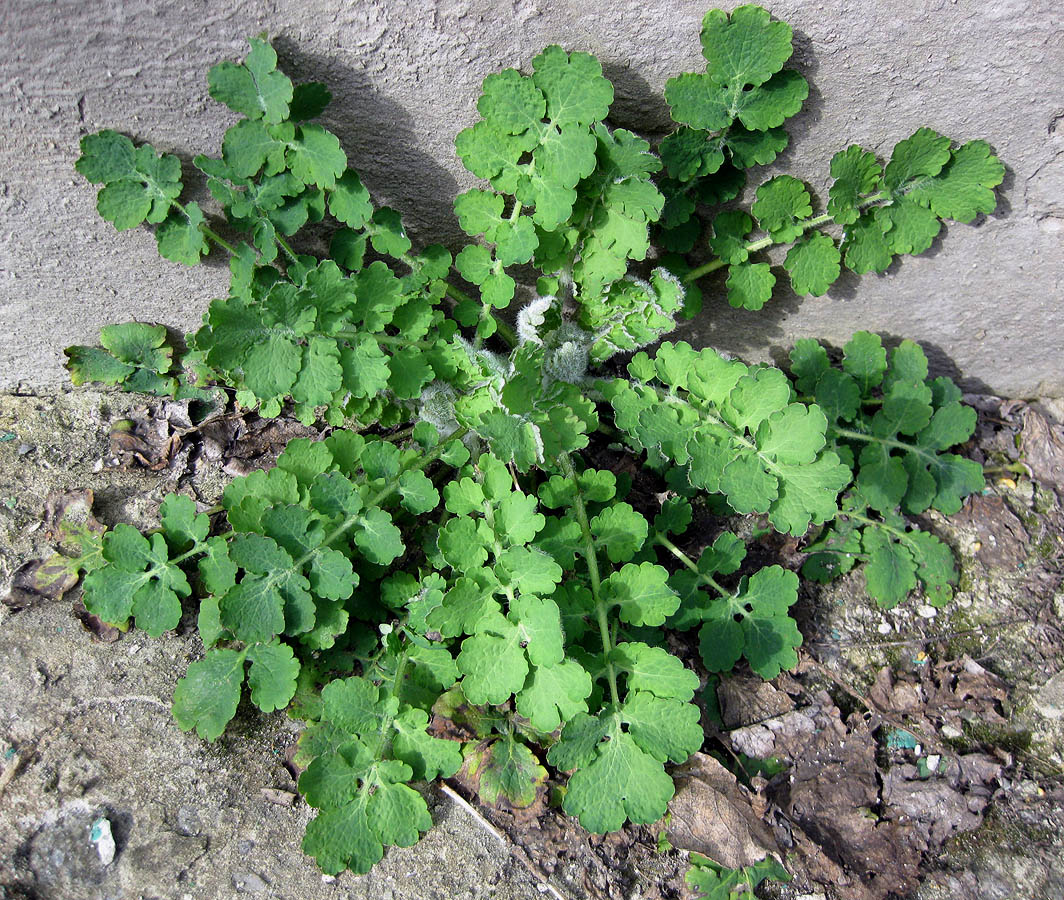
545	885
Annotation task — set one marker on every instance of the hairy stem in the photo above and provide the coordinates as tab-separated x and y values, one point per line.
284	245
207	232
766	242
691	564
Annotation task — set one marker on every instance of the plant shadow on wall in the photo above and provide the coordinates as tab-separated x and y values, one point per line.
453	557
359	116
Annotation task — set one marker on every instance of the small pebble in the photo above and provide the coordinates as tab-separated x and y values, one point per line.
23	449
248	882
281	798
103	839
885	628
926	612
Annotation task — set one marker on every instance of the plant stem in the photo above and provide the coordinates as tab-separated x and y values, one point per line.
691	564
593	574
283	244
872	439
207	232
766	242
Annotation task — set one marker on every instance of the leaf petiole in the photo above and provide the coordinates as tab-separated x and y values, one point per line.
593	574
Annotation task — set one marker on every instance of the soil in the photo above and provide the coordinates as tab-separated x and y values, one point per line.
915	752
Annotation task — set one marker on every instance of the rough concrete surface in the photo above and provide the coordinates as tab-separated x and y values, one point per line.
984	300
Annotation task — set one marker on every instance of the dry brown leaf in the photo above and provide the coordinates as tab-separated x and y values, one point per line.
712	814
895	696
65	513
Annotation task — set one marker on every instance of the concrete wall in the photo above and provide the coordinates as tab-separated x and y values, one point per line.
406	75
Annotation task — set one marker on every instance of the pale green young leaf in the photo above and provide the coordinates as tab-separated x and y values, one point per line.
272	366
106	156
516	519
138	344
305	460
387	233
953	423
315	156
620	530
865	360
512	102
539	625
486	151
529	570
935	566
793	434
183	526
428	757
479	212
349	202
331	574
572	83
807	493
622	782
493	661
365	367
378	538
908	227
340	838
890	573
716	882
666	728
418	492
769	105
248	146
465	604
700	102
865	246
356	705
321	375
